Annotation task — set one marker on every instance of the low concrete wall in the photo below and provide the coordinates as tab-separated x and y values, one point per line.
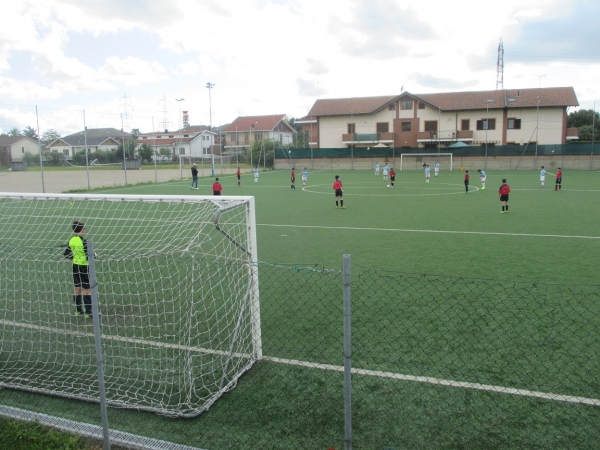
566	162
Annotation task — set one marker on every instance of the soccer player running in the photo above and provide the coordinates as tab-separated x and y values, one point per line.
427	173
293	179
504	191
81	275
304	177
543	173
217	188
558	182
239	175
386	170
467	177
376	169
482	178
339	194
392	177
436	168
194	177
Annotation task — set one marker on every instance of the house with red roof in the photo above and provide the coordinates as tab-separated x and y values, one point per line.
498	117
239	135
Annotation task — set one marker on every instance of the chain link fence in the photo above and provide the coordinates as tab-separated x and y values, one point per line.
436	362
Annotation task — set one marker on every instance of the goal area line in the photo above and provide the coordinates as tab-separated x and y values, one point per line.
330	367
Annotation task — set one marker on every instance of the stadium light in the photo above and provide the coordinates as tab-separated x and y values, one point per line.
487	126
179	100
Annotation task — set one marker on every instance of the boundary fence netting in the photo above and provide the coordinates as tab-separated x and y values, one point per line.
436	362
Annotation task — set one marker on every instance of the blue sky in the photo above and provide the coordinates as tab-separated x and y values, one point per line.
115	57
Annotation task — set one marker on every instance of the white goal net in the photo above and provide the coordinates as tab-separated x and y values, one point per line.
177	285
416	161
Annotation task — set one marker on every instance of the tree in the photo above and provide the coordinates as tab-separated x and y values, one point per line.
588	123
262	153
145	152
49	136
30	133
165	153
14	132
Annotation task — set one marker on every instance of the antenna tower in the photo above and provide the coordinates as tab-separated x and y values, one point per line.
500	66
126	109
165	122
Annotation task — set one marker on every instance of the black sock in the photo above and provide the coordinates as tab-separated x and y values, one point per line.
506	207
336	203
77	300
87	300
341	203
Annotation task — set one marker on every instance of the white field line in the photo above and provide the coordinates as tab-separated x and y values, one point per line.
402	230
295	362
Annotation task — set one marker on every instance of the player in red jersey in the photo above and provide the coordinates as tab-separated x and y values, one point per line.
293	179
504	191
239	175
467	177
558	182
217	188
339	194
392	177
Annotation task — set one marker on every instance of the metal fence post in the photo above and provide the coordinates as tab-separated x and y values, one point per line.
347	357
98	341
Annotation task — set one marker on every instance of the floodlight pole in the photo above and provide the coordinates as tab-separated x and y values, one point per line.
537	130
177	150
209	86
593	136
487	126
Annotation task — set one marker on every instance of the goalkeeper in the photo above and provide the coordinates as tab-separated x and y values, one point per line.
81	275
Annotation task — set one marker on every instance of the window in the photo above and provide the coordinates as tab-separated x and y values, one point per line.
246	136
465	124
421	105
391	107
383	127
489	124
22	149
186	135
431	125
257	136
351	128
406	126
66	151
514	124
182	151
406	104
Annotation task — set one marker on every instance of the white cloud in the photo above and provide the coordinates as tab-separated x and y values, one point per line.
132	71
188	68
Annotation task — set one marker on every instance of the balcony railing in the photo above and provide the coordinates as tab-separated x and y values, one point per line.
367	137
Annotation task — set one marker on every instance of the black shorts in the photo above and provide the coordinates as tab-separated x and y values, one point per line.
293	180
216	192
238	178
81	276
466	182
503	197
558	181
339	193
393	178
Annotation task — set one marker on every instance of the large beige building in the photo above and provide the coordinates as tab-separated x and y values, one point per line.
500	117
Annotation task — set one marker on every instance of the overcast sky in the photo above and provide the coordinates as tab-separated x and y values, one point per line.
279	56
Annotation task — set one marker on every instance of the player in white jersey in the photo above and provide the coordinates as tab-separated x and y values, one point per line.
543	176
256	174
386	170
427	173
304	177
482	177
377	169
436	168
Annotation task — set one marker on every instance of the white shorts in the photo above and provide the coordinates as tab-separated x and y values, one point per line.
543	178
482	179
428	175
437	170
304	178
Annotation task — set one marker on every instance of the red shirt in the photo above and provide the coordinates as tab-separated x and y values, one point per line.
392	173
467	176
238	173
337	185
217	186
558	174
504	189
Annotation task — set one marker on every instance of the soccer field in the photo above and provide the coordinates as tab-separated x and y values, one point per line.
495	312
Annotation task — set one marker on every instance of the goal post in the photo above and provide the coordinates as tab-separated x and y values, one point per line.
177	282
445	160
